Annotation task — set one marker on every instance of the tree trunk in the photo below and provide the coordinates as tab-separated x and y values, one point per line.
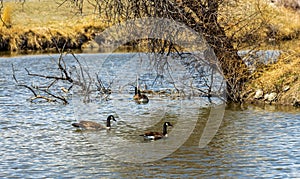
233	68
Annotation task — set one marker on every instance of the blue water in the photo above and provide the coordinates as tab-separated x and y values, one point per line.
38	141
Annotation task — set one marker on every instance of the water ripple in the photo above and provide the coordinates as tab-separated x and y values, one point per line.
38	141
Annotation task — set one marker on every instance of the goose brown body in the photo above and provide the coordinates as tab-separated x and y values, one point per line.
140	98
91	125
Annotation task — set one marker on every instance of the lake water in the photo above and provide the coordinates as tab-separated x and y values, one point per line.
38	141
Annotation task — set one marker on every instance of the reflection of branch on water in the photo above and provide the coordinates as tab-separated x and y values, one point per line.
103	90
198	78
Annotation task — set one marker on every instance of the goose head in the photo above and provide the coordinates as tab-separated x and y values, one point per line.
109	118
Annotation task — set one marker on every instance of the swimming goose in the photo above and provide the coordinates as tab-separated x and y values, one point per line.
140	98
90	125
157	135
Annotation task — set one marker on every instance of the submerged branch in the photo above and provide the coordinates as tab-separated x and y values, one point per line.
46	76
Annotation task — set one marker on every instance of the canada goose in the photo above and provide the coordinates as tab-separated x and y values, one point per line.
157	135
90	125
140	98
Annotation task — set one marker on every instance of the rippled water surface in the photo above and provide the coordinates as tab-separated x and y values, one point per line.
38	141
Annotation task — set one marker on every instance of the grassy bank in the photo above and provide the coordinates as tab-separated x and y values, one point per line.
250	24
259	25
34	25
281	78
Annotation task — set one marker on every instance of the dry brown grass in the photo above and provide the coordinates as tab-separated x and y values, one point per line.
259	24
247	21
6	16
48	14
276	77
35	23
273	77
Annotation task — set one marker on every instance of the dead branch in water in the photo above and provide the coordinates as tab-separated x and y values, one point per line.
57	86
35	92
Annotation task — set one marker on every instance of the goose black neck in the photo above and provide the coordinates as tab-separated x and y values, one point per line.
165	129
137	91
108	122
